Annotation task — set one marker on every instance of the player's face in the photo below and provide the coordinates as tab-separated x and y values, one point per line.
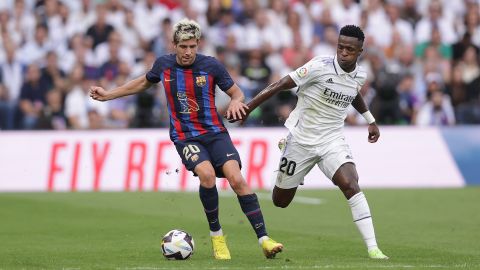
348	50
186	51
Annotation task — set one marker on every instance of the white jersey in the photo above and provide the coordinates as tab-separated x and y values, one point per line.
324	93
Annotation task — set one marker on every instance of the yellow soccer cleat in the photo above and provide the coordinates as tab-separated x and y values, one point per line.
220	249
377	254
271	248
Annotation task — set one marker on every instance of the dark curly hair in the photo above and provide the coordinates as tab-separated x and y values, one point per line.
352	31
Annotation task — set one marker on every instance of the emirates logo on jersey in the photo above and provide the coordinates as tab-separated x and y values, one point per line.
201	81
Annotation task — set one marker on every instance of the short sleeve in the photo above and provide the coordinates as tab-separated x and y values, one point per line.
222	77
303	74
153	75
361	78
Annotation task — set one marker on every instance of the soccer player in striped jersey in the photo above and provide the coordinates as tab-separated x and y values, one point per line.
197	130
327	86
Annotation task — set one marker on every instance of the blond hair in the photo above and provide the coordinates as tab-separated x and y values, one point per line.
186	29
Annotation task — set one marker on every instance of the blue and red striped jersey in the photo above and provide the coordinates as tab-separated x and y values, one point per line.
190	93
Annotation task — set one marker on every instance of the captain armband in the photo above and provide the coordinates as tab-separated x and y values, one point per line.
369	117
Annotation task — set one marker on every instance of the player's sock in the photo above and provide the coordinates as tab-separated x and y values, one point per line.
209	198
363	219
251	208
216	233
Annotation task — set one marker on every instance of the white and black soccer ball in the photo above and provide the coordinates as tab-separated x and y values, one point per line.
177	245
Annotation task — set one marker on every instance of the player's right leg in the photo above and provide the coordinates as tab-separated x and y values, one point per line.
209	197
196	159
346	178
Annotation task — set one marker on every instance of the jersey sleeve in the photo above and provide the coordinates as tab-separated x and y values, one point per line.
222	77
303	74
361	78
153	75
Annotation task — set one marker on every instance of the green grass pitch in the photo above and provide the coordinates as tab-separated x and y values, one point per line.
417	228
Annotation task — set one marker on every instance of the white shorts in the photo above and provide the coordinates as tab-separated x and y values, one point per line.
297	160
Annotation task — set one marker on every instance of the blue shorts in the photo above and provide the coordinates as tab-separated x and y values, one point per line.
216	148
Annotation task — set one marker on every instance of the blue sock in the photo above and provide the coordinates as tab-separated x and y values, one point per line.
251	208
209	198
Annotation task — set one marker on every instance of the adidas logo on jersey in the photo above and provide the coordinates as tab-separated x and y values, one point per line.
330	80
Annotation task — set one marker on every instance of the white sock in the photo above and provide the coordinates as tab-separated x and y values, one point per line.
363	219
217	233
263	238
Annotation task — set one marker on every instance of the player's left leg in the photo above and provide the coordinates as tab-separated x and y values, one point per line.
346	178
250	207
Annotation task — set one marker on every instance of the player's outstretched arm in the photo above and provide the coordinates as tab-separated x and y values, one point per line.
132	87
236	109
373	131
282	84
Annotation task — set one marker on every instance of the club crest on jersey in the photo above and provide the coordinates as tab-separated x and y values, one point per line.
187	105
201	81
302	72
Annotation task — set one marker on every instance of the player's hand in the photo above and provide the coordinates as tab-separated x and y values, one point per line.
98	93
373	133
236	111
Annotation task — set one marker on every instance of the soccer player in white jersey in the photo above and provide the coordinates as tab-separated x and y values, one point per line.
327	85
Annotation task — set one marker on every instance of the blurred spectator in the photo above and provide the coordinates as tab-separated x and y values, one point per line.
11	70
324	21
219	32
120	111
256	70
385	104
346	12
297	54
408	101
52	115
149	15
79	107
32	97
22	23
458	49
435	41
410	12
113	50
472	22
435	19
35	50
100	30
438	111
261	34
162	43
52	76
130	35
388	25
83	16
327	46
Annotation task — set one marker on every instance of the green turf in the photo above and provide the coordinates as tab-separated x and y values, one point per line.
418	229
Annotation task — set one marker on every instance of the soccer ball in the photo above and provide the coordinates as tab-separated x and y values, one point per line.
177	245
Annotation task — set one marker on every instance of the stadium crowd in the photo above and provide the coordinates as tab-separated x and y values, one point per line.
422	56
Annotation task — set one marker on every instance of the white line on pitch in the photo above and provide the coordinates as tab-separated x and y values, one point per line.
395	266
